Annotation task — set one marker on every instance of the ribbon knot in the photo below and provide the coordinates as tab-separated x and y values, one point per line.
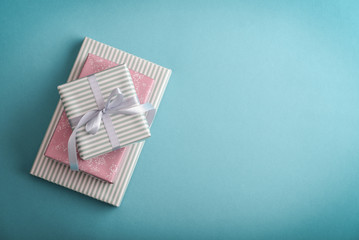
116	104
114	100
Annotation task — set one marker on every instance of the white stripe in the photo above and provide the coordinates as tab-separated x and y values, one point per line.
135	62
119	58
112	54
130	61
97	191
60	171
54	167
100	50
143	64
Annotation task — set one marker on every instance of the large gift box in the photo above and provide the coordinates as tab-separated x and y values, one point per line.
104	166
79	97
61	174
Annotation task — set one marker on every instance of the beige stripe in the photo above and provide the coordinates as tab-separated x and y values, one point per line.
111	54
74	178
130	61
100	50
54	166
136	62
144	68
94	49
81	185
97	190
44	173
59	173
125	58
106	52
88	184
64	177
120	57
149	70
78	180
91	190
143	65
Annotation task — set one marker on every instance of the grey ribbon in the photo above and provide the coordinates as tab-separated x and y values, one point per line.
116	104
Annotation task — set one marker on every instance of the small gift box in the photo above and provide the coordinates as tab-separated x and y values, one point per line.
105	166
105	113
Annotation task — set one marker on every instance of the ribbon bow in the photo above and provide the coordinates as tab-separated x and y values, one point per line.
116	104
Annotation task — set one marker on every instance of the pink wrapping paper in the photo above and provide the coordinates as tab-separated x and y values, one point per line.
105	166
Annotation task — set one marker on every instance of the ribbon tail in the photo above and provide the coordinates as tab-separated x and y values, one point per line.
138	109
94	124
150	116
71	145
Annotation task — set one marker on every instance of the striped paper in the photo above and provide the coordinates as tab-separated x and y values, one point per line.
77	98
86	184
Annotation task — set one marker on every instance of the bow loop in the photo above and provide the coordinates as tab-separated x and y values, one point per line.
115	99
93	125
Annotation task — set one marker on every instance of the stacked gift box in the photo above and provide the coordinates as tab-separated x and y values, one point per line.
108	106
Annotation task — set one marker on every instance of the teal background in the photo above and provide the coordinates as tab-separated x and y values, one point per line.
256	137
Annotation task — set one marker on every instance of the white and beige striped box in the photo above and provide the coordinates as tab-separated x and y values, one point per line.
77	98
86	184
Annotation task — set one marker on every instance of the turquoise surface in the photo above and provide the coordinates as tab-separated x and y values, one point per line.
256	137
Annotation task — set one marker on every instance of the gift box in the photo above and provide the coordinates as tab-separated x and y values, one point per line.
104	166
61	174
80	97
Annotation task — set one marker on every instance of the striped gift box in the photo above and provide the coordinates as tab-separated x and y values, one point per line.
77	98
61	174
